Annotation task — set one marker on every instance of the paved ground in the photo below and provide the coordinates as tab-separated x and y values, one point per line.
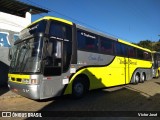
141	97
6	93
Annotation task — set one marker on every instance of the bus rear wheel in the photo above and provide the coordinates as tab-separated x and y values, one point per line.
143	77
136	78
79	88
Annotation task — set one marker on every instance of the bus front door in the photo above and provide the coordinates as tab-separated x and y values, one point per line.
51	84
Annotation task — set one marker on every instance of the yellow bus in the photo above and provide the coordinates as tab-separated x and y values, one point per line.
56	57
156	64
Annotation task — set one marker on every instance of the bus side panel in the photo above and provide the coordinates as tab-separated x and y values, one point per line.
92	65
119	72
102	76
115	72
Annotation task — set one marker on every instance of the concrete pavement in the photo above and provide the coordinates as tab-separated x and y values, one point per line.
6	93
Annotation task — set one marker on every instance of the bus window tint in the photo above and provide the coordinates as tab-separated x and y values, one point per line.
87	41
61	31
140	54
106	46
124	50
147	55
131	52
118	49
121	49
81	40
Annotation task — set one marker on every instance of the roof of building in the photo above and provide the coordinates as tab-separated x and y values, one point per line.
19	8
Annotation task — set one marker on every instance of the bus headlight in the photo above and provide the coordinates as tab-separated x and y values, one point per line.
30	81
34	81
25	81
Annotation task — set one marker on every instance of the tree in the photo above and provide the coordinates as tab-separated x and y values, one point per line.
157	46
146	44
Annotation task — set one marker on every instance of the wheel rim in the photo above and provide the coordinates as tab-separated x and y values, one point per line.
136	78
143	77
79	88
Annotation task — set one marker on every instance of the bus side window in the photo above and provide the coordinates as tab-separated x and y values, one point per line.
118	49
106	46
140	54
124	50
121	49
131	52
87	41
81	40
147	55
91	44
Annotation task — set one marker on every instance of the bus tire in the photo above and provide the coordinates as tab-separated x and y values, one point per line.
137	78
143	77
79	88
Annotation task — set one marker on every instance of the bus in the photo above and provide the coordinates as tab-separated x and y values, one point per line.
156	64
55	57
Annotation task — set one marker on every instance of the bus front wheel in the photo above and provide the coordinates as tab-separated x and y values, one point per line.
79	88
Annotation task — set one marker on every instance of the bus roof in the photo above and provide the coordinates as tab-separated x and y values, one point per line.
52	18
95	32
89	30
133	45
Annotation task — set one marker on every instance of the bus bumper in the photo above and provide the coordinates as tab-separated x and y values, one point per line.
29	91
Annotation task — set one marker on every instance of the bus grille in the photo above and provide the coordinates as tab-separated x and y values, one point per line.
13	79
19	79
16	79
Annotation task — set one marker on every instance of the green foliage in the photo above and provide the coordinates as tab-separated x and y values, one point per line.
154	46
146	44
157	46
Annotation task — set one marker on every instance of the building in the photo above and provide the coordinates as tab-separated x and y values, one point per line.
14	16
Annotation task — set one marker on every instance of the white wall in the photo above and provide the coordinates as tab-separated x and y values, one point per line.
14	23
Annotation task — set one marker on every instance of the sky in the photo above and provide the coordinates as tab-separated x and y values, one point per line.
130	20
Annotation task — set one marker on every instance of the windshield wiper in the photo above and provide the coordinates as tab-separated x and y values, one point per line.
18	63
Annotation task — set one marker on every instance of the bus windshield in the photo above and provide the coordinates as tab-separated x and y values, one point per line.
27	56
34	29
